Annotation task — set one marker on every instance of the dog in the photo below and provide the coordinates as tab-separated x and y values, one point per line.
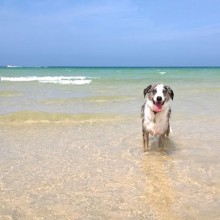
155	113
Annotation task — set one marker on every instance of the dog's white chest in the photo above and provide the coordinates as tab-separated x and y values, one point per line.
156	124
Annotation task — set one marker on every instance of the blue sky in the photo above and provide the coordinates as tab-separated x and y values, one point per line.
110	32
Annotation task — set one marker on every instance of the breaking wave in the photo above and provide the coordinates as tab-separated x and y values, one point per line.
64	80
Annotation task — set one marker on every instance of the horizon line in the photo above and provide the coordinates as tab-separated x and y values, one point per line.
70	66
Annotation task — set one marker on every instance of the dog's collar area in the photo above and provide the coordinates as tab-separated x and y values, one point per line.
154	112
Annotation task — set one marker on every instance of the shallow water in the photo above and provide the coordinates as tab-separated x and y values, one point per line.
99	171
76	152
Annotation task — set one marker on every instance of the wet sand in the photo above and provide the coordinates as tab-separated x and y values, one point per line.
99	171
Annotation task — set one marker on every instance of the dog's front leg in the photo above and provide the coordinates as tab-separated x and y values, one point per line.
161	141
168	130
145	140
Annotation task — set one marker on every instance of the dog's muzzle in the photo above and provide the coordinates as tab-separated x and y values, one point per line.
159	100
158	104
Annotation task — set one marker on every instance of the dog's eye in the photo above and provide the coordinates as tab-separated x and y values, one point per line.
164	91
154	91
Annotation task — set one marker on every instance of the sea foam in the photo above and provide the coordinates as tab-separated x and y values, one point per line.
64	80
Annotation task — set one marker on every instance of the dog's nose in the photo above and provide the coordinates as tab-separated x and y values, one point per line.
159	98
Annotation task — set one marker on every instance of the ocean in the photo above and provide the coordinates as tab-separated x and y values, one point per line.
71	144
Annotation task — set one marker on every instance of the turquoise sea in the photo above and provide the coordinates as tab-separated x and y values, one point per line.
117	91
71	144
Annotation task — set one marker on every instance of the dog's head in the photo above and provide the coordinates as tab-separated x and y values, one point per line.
158	96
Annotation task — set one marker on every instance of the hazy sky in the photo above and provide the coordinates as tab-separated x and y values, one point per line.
110	32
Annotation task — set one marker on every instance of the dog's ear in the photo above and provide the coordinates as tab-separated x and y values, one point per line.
147	90
170	91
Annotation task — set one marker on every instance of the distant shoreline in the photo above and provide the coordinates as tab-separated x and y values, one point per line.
122	67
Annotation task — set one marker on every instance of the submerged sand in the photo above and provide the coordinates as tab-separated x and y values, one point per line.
99	171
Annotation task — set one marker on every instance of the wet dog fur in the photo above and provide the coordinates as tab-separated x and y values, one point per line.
155	113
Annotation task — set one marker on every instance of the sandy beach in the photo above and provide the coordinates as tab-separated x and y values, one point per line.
99	171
